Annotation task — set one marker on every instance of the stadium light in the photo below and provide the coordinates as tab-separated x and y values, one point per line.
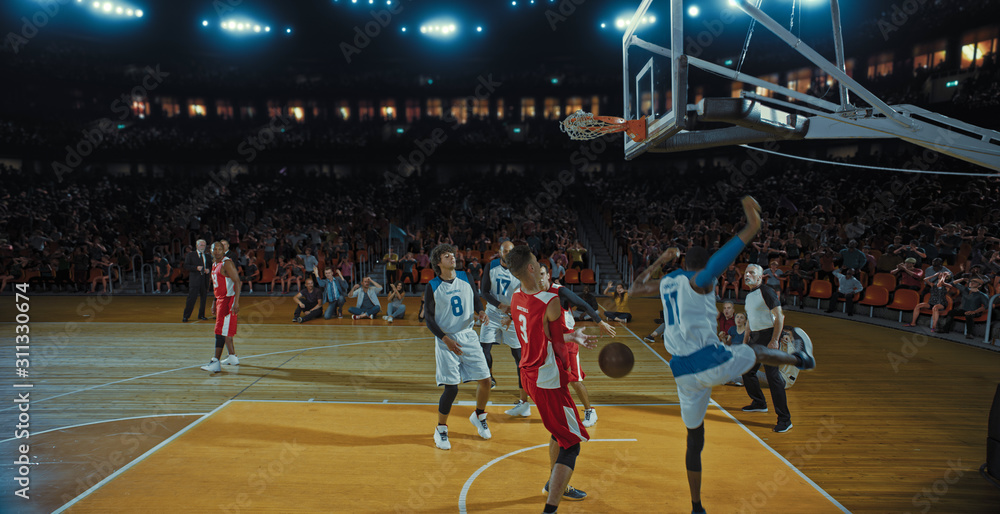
441	28
694	11
479	29
603	25
204	23
403	29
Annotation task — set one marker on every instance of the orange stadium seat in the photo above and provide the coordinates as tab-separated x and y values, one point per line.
904	300
886	280
572	277
426	275
587	277
820	290
875	296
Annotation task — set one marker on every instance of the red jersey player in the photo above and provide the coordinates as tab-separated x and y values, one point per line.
226	283
541	330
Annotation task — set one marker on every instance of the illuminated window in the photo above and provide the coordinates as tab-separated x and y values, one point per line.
344	110
460	110
552	110
247	112
977	45
224	109
296	111
196	108
140	107
527	108
763	91
499	108
595	105
699	93
412	110
646	103
880	65
800	80
387	108
434	109
573	104
849	66
736	90
170	107
481	108
929	56
274	109
366	110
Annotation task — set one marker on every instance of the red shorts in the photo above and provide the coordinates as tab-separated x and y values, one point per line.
225	321
557	410
576	373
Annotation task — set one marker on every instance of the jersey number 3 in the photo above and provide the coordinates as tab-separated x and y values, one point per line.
670	308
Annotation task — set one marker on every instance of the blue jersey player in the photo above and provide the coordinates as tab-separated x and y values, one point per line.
699	360
452	304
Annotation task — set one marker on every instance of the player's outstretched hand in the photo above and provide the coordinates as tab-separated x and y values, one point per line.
584	340
505	322
607	328
452	345
751	208
482	317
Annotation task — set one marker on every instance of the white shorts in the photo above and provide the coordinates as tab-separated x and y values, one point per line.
695	389
493	333
457	369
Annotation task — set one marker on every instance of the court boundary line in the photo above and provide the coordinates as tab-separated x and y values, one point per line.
199	365
106	421
472	478
139	459
712	401
386	402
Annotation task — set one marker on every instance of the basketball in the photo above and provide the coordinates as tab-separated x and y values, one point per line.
616	360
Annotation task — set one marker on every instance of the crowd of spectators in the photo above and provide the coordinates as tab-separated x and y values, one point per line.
820	222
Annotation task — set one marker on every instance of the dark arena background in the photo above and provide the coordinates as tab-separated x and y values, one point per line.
356	136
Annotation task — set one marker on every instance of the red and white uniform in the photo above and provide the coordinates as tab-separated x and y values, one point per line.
225	293
543	366
576	373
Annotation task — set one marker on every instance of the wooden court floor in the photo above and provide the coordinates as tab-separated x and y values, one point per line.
336	416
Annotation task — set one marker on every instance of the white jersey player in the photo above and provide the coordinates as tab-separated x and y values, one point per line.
452	304
699	360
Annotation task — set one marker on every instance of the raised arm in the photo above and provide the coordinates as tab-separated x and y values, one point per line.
720	260
574	299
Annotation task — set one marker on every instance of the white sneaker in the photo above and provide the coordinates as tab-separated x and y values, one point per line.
480	423
232	360
389	319
521	409
385	318
213	366
441	437
589	417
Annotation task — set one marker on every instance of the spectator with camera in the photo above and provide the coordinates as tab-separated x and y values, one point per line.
847	287
973	304
909	275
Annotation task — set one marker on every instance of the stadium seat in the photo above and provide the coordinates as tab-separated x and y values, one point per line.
587	277
426	275
904	300
886	280
361	256
266	277
572	278
875	296
820	290
947	306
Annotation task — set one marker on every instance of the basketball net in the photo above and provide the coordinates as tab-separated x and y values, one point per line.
584	126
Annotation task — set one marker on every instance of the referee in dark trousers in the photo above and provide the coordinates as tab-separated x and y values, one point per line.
199	264
766	320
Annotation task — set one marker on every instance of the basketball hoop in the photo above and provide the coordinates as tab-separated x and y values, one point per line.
584	126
